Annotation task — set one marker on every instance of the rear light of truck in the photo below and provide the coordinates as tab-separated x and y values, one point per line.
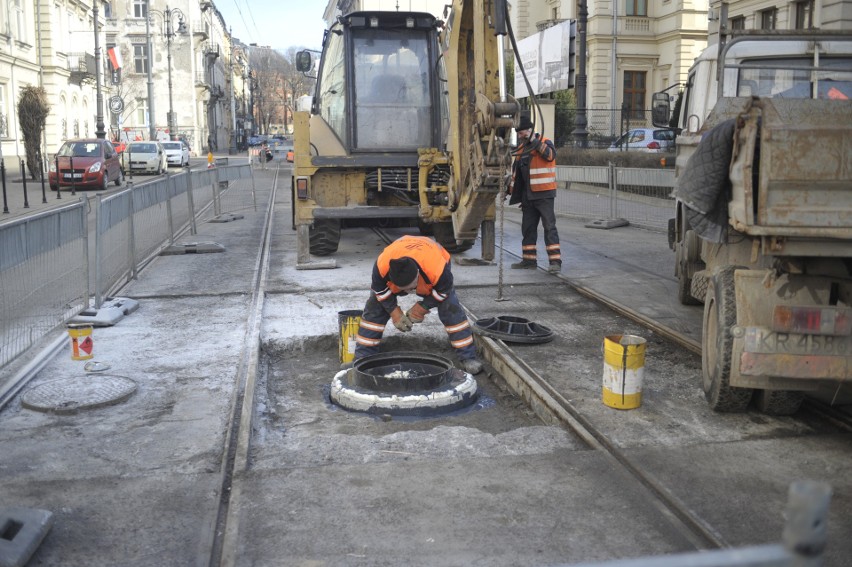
302	188
812	320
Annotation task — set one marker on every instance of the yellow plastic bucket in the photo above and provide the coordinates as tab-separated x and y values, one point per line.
348	321
624	368
82	344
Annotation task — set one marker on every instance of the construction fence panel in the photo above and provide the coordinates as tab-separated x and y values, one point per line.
237	189
43	276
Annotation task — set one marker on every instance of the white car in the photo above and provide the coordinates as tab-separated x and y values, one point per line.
146	157
648	140
177	153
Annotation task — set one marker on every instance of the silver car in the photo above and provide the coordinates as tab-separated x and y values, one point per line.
649	140
177	153
146	157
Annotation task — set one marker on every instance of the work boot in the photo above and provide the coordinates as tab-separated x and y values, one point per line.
555	267
525	265
471	366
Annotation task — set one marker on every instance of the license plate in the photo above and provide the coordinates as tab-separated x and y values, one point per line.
76	176
760	340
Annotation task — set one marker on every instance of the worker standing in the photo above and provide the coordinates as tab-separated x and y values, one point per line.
420	265
534	187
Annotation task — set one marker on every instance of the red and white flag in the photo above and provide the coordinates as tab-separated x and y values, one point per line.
114	57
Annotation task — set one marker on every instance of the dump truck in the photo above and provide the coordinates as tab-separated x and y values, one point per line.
762	232
408	127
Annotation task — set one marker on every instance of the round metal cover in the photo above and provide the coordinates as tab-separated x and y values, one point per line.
71	395
513	330
394	372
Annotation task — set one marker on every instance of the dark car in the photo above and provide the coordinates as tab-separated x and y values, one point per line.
90	163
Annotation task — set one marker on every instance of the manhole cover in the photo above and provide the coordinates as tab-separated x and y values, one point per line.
71	395
403	384
513	330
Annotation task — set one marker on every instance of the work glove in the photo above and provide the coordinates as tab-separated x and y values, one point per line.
401	320
534	142
417	312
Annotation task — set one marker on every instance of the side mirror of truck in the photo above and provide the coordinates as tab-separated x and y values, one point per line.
304	62
660	110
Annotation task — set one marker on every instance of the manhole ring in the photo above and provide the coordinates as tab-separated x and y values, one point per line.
399	372
70	395
513	329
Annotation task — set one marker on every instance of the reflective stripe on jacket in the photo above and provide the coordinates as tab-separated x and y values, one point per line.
542	171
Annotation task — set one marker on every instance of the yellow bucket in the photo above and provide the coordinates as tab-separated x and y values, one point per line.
81	341
348	321
624	368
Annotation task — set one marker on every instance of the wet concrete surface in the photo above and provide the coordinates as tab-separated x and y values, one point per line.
138	483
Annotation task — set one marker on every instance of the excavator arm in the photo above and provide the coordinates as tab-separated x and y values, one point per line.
481	115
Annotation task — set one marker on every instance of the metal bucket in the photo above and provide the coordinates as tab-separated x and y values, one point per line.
624	368
348	323
82	344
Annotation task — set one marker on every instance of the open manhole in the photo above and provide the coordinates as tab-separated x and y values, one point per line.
70	395
403	383
513	330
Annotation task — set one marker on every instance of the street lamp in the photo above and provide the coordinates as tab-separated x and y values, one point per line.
168	17
99	98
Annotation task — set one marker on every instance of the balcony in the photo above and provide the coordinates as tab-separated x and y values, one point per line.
636	25
544	24
82	67
201	30
211	51
201	80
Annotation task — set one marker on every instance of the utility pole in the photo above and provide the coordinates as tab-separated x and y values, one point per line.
232	145
99	99
580	134
149	61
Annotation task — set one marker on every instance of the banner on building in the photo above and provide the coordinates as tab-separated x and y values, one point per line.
548	59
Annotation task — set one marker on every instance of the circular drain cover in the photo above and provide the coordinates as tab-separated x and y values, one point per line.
71	395
400	383
513	330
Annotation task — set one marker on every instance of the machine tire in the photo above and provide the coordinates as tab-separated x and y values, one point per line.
443	233
324	236
687	253
778	402
720	315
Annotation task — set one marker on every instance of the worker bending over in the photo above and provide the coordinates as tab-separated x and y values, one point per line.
420	265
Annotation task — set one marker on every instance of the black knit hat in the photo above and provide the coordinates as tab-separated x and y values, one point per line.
402	271
525	124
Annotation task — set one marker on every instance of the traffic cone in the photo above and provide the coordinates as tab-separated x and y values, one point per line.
210	164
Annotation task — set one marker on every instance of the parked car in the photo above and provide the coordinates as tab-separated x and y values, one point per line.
649	140
177	153
146	157
88	163
256	140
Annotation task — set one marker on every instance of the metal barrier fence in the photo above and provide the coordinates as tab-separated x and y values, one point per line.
640	196
46	265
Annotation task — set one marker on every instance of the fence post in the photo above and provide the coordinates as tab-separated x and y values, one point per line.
58	178
191	201
24	180
131	236
98	251
612	184
214	180
169	185
253	194
41	168
84	215
3	176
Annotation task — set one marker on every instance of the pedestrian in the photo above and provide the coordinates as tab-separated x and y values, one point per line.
419	265
533	185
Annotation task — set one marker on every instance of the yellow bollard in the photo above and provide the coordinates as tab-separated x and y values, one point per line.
210	163
624	368
81	341
348	321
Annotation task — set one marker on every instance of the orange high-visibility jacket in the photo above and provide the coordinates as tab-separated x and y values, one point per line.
429	255
542	171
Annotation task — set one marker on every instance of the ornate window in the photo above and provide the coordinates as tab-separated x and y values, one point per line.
140	57
768	19
737	23
76	128
634	93
636	8
140	8
804	15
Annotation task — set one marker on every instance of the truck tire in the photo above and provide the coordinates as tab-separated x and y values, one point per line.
778	402
720	315
688	256
443	233
324	236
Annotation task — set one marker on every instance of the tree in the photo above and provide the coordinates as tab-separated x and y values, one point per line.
33	109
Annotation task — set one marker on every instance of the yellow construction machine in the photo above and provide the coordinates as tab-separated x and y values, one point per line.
407	127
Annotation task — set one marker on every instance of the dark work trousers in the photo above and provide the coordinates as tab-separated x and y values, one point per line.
534	210
450	312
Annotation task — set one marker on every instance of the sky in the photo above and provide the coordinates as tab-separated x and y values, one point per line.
278	24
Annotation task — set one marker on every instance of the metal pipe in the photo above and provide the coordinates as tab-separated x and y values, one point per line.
99	99
152	129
